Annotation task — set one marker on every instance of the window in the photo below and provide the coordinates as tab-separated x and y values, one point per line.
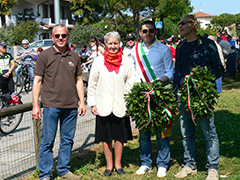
48	43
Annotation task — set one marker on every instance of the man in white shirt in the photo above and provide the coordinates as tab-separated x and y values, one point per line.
231	56
160	59
130	37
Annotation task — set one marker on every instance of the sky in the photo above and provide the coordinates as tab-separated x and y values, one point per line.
216	7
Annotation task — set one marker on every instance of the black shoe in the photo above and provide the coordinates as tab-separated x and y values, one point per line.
120	171
107	172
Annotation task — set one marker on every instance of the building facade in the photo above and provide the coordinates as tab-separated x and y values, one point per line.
41	11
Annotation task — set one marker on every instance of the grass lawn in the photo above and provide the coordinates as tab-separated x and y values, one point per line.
90	164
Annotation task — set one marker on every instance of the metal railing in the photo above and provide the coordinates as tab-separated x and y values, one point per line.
19	149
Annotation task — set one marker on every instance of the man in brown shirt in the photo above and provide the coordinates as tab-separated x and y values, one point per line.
58	70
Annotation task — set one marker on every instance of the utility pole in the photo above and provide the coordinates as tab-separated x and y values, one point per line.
57	11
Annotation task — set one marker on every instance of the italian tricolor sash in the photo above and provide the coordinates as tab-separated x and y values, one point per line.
148	74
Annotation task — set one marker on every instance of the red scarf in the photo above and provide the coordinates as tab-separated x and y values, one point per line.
113	61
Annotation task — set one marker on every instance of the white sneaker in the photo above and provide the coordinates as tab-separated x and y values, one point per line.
162	172
143	169
212	174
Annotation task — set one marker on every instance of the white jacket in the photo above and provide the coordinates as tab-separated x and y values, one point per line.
106	89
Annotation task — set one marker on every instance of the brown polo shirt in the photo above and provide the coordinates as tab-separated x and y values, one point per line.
59	72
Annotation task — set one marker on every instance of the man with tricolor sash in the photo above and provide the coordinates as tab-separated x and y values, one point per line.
153	61
196	51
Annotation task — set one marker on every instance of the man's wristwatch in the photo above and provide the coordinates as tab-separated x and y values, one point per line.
10	72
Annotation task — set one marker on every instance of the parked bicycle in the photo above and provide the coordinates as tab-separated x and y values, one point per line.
23	80
10	123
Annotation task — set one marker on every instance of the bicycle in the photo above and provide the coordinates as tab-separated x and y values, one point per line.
10	123
23	80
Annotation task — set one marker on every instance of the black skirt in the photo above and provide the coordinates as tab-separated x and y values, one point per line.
110	128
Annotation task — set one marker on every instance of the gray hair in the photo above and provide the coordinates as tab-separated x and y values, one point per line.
61	25
112	34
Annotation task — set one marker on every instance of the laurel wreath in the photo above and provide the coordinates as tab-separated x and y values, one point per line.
137	103
198	93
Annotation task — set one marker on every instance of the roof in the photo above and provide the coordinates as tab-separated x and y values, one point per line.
201	14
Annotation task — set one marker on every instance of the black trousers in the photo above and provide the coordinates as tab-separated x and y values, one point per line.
7	84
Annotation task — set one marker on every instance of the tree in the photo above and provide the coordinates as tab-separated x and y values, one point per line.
24	30
174	10
129	12
87	11
237	18
209	30
170	28
5	9
6	34
82	33
223	20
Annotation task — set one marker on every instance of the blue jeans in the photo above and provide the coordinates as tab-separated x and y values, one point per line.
219	85
68	120
30	70
163	156
189	144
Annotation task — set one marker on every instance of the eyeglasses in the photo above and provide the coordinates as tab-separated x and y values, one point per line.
130	39
184	22
58	35
146	30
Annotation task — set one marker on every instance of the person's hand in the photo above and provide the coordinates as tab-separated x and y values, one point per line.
7	74
36	113
94	110
83	64
82	109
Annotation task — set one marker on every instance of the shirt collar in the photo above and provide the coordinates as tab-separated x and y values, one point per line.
155	44
67	52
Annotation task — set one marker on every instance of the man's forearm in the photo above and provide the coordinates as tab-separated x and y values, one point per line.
36	90
80	89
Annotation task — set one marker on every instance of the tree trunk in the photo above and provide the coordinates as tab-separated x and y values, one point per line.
3	20
137	23
163	31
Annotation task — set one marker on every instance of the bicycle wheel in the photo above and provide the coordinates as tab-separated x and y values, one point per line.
27	83
10	123
19	83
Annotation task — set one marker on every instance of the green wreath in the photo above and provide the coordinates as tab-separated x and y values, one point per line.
161	100
198	93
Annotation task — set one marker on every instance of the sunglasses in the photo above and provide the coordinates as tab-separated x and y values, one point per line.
130	40
146	30
184	22
58	35
4	47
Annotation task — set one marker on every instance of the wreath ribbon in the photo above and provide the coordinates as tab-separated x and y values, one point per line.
187	78
148	96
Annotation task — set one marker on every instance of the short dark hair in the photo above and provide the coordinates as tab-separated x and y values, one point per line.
148	22
40	49
85	46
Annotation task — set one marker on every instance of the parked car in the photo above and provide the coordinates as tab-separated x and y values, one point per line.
45	43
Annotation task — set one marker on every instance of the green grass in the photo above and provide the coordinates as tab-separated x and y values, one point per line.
90	163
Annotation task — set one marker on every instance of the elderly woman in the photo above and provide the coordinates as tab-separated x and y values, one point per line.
111	76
